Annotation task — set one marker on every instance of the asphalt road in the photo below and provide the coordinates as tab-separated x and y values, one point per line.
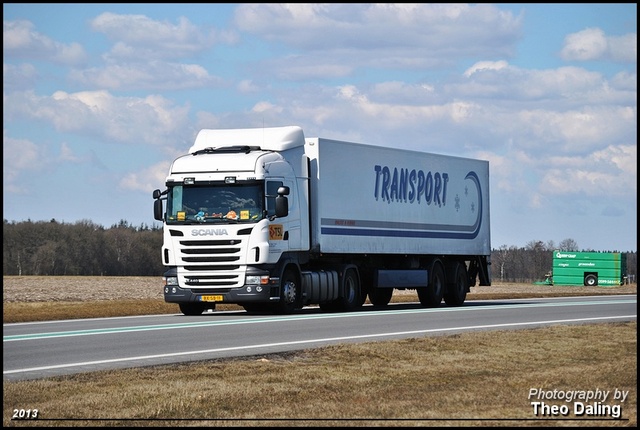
43	349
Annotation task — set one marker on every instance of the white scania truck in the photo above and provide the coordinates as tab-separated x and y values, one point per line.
273	221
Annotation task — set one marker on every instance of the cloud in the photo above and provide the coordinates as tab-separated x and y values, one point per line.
152	75
22	158
151	120
145	53
369	26
19	155
20	40
67	154
18	77
485	65
146	180
339	39
140	38
592	44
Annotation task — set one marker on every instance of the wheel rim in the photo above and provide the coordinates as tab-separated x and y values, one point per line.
289	292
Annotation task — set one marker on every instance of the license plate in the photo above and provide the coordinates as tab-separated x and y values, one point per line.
211	298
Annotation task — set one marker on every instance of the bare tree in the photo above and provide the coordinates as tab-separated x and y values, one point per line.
568	245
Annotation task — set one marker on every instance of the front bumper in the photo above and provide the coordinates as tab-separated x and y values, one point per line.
246	294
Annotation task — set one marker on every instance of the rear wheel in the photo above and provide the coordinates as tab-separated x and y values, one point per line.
194	308
432	295
457	290
352	298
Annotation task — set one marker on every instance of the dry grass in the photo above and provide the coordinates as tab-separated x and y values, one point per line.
468	379
41	298
472	379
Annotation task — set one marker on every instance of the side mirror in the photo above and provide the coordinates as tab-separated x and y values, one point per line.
157	209
282	203
283	191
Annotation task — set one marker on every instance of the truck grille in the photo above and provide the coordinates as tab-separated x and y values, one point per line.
208	265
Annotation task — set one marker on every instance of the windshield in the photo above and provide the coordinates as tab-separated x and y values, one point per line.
215	203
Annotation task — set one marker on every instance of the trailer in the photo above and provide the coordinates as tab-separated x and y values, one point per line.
588	268
273	221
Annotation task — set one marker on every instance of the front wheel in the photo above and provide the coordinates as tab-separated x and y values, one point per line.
255	307
194	308
289	293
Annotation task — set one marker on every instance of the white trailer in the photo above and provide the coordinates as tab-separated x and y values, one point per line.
273	221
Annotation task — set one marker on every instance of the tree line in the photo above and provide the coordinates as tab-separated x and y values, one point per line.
82	248
52	248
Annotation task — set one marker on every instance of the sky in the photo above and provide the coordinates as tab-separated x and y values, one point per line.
99	99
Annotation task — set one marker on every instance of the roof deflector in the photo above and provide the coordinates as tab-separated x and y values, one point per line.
228	150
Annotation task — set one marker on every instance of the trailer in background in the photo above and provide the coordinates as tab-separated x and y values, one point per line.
588	268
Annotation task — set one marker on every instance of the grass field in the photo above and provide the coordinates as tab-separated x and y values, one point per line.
41	298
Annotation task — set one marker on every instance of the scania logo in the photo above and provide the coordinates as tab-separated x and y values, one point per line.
209	232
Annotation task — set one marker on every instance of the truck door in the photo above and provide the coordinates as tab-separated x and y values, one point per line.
284	233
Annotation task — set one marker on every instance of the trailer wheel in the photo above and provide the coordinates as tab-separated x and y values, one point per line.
591	280
289	293
457	290
432	295
194	308
380	296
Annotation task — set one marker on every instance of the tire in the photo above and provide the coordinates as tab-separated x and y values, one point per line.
289	293
380	296
194	308
255	307
431	297
457	290
591	281
351	298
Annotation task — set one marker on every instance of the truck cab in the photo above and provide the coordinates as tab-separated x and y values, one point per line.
230	213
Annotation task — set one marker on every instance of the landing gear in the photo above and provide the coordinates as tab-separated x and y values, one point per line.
380	296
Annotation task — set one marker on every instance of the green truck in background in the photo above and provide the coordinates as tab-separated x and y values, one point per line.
588	268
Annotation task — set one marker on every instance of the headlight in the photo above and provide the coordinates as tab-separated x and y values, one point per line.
171	280
252	280
256	280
